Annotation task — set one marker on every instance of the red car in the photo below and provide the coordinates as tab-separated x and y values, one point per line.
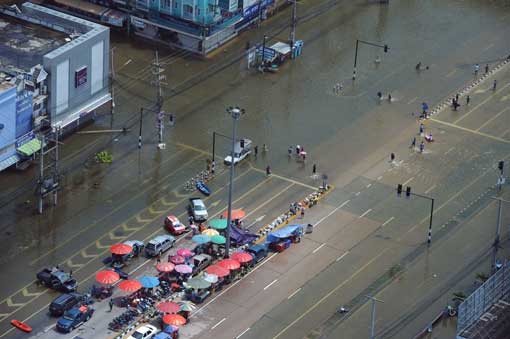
174	226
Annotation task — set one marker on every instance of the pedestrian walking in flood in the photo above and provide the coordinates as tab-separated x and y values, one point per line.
457	97
264	148
455	105
413	143
71	273
158	260
379	95
392	157
302	213
171	120
110	303
298	148
290	150
467	100
422	146
314	169
268	170
389	97
477	68
486	68
494	85
422	128
256	150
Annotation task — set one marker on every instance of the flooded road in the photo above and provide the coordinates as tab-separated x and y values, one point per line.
297	105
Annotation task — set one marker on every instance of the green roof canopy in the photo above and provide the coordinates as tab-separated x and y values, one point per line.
218	224
30	147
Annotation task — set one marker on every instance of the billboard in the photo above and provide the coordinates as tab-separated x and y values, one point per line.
80	76
24	109
251	7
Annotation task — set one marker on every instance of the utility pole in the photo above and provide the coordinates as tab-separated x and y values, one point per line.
408	194
498	233
112	89
235	112
372	317
259	19
385	47
48	182
157	71
293	24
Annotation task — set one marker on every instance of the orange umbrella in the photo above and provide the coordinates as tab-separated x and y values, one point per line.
130	285
174	319
107	277
165	267
218	271
236	214
230	264
168	307
242	257
120	249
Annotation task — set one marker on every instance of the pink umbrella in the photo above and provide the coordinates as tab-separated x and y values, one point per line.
177	259
184	252
183	269
230	264
165	267
168	307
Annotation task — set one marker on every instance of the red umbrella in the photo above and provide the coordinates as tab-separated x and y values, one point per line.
219	271
174	319
184	252
177	259
236	214
107	277
230	264
120	249
130	285
242	257
168	307
165	267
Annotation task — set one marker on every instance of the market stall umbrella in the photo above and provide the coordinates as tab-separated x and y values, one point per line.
168	307
183	269
184	252
165	267
218	239
210	232
130	285
218	224
236	214
242	257
201	239
187	306
174	319
230	264
149	282
218	271
198	283
212	278
120	249
177	259
107	277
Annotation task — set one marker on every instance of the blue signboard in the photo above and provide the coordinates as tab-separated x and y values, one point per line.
252	11
24	109
25	138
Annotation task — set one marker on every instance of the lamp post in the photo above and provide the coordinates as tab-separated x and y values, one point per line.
498	233
235	112
372	316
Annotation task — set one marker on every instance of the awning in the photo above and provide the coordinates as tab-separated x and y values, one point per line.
30	147
281	48
9	162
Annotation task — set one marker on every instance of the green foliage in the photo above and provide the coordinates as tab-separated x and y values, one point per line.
104	157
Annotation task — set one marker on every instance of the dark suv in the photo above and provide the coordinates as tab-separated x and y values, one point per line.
65	302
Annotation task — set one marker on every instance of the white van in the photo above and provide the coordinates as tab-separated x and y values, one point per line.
158	245
239	152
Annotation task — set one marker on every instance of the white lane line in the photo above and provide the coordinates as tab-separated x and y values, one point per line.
451	73
451	149
318	248
430	189
243	332
368	186
218	323
488	47
388	221
408	181
271	283
294	293
330	213
412	100
341	257
358	193
366	212
379	177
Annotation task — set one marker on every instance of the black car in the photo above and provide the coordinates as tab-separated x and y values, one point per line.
57	279
65	302
73	318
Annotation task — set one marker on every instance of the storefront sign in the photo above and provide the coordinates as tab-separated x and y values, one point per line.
80	77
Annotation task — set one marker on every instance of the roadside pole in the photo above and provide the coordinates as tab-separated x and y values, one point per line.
408	195
293	25
385	47
497	238
372	316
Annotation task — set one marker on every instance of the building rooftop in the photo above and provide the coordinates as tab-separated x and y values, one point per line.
23	44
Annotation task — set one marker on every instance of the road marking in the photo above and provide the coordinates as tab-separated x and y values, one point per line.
504	98
488	47
218	323
85	255
341	257
26	293
100	246
330	213
11	303
449	150
358	193
344	203
272	282
451	73
294	293
283	178
216	203
130	229
430	189
388	221
243	332
365	213
491	119
408	181
70	263
268	201
318	248
115	237
256	221
379	177
141	220
470	130
480	104
368	186
412	100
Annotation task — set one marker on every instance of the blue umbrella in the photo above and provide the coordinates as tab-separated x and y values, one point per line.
201	239
148	282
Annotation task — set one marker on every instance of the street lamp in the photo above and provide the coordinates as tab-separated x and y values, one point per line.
372	316
498	233
235	112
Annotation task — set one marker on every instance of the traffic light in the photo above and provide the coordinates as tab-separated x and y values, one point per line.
408	191
501	165
242	143
385	48
399	190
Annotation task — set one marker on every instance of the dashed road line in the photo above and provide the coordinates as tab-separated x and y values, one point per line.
218	323
412	100
470	130
341	257
270	284
358	193
330	213
480	104
408	181
379	177
318	248
368	186
294	293
388	221
430	189
449	150
243	332
491	119
365	213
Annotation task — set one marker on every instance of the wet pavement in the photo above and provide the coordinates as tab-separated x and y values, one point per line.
349	135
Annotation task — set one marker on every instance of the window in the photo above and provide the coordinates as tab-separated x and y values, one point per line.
197	11
167	3
175	5
188	9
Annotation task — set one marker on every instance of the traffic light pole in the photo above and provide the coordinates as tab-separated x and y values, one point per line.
409	193
385	47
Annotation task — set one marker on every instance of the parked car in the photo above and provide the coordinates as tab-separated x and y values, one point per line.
197	209
259	252
74	318
143	332
138	247
174	226
67	301
200	262
158	245
242	149
57	279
